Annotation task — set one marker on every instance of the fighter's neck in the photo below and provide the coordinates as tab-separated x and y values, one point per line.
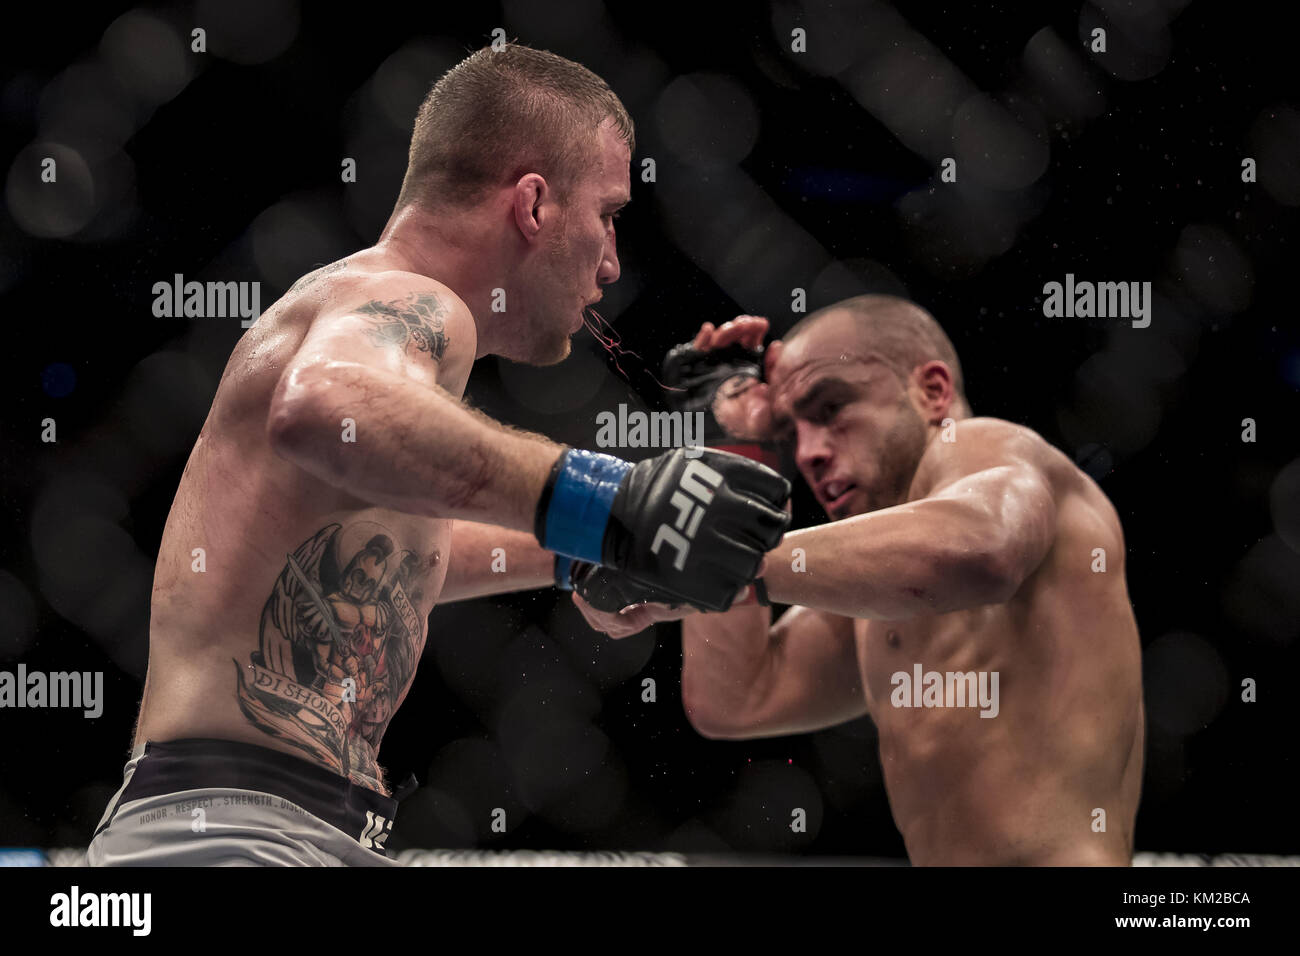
413	242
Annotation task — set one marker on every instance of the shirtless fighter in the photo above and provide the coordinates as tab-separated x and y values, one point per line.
339	488
968	593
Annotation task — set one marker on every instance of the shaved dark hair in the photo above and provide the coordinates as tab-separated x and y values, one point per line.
499	114
900	330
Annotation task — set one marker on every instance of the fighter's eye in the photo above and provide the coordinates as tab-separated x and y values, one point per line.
827	412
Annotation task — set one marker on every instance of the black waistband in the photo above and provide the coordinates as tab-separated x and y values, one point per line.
200	764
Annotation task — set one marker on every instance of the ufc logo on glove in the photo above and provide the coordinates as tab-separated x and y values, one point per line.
717	515
698	481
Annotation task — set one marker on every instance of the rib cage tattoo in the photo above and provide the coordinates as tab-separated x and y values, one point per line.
337	646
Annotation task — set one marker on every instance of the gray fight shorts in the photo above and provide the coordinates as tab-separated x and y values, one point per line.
221	803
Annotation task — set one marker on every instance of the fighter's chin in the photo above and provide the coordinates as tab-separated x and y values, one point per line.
562	351
550	352
855	502
838	513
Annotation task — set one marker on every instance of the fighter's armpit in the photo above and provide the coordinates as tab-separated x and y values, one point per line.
413	323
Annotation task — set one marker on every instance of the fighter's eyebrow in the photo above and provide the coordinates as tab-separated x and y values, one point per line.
805	402
818	392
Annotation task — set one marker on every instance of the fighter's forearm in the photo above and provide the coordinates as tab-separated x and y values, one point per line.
724	659
487	559
408	447
925	557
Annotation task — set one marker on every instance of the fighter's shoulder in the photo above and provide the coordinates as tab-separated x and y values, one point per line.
396	292
404	308
974	444
997	433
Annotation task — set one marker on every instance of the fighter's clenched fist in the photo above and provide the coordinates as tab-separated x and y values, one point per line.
720	373
693	529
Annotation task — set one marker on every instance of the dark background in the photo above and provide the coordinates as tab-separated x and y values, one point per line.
775	170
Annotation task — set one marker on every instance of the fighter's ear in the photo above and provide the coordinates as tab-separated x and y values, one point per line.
531	204
938	391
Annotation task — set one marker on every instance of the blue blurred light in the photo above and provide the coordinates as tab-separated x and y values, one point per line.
846	185
17	856
58	379
1291	369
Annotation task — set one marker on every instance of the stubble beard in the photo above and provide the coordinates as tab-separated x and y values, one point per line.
903	447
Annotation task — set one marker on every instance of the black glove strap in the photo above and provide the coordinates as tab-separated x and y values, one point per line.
695	376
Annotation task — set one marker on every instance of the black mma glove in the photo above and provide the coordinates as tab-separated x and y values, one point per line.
606	589
695	377
691	524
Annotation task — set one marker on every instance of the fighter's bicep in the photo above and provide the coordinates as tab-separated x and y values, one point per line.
813	679
1012	507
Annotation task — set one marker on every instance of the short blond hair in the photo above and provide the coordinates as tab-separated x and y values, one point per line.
499	114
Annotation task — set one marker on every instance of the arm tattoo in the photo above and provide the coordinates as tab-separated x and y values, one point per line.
415	320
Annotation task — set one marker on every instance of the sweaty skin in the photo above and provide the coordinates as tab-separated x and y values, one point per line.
303	631
339	488
987	560
1020	787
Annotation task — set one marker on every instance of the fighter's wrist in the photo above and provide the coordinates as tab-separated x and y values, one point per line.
756	595
564	572
574	507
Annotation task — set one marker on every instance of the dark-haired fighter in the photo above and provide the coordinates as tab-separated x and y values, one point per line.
968	593
332	495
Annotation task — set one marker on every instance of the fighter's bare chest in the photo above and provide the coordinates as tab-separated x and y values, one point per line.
883	647
936	643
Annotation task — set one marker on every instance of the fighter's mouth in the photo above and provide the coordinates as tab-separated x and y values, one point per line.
582	313
835	493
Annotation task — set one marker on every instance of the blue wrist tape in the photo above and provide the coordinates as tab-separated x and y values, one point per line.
581	501
563	571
